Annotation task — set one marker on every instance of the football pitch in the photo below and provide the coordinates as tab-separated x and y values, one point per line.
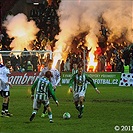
108	112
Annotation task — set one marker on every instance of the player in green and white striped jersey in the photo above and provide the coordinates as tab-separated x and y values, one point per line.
40	91
55	80
78	85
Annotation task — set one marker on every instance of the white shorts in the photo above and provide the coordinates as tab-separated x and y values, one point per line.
77	95
37	103
4	86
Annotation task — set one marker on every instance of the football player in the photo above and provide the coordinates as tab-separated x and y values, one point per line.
78	86
40	91
5	87
55	79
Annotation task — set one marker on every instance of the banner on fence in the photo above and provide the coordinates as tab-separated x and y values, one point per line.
18	78
126	79
109	78
100	78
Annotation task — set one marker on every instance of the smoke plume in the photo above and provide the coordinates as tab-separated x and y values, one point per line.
84	15
22	30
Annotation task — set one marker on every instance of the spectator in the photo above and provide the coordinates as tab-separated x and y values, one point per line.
1	36
34	61
131	63
62	66
29	66
74	69
67	65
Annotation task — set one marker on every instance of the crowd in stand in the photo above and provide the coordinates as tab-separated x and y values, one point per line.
47	20
109	56
26	61
113	60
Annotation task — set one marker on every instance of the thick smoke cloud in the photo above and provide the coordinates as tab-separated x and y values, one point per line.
22	30
84	15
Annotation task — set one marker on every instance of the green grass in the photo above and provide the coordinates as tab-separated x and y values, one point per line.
101	113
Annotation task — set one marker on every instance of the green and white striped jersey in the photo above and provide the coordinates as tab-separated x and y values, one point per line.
79	82
42	88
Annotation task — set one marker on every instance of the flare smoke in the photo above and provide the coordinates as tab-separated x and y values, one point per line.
84	15
22	30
